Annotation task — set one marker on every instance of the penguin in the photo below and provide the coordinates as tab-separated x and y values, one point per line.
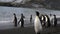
21	20
15	20
55	20
31	19
47	21
42	19
37	24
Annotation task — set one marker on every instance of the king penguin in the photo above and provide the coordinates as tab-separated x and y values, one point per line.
47	21
15	20
55	20
42	18
37	24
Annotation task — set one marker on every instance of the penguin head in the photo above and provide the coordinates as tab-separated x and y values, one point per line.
46	15
54	15
37	13
14	14
21	14
31	15
50	14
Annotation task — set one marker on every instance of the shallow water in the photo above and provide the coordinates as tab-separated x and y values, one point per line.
6	14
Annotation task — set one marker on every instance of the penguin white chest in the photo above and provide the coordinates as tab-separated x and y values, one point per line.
37	25
46	18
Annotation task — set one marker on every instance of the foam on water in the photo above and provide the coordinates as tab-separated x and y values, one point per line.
5	21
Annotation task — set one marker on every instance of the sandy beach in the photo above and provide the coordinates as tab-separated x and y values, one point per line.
30	30
25	30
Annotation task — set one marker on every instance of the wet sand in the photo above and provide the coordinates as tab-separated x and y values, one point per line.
30	30
25	30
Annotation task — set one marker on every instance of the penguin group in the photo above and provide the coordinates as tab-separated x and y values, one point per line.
42	21
21	20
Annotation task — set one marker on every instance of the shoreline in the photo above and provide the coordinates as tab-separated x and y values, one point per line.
30	30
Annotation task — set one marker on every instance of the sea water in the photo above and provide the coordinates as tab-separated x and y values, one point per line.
7	17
